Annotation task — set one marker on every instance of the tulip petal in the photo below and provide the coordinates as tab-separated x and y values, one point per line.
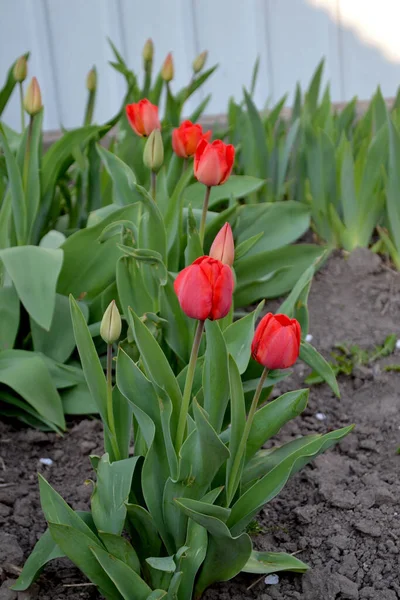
194	292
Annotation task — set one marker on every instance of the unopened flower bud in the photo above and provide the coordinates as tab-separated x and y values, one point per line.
148	51
223	248
91	80
33	98
167	71
153	155
110	328
199	61
20	69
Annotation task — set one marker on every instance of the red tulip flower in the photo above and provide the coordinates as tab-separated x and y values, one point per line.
213	162
186	138
276	342
205	288
143	117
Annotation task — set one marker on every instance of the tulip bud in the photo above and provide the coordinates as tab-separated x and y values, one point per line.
167	71
20	69
110	328
223	248
276	342
148	51
199	61
33	98
153	155
91	80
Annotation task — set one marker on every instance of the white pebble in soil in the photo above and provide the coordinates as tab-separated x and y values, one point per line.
320	416
271	579
309	338
398	345
46	461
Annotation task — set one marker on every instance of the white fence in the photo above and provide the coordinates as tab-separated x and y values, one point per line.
359	38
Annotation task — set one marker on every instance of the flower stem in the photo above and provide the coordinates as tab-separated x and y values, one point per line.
110	411
185	165
27	153
233	478
204	214
153	179
187	392
21	98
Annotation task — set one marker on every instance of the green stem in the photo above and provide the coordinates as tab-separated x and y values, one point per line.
187	392
185	165
28	153
89	108
110	411
153	179
21	98
233	478
204	214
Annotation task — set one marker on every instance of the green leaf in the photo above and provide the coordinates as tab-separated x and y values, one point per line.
9	317
114	481
178	330
132	290
312	93
215	375
393	184
317	362
237	186
32	184
261	155
238	421
270	418
129	584
271	484
27	374
165	563
96	260
226	555
272	562
122	549
149	543
59	341
77	400
91	365
238	338
80	549
34	272
17	191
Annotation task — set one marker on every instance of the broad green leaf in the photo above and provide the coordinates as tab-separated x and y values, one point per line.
261	155
130	585
178	330
226	555
114	481
313	91
9	317
270	418
248	505
162	563
237	186
149	543
131	287
59	341
77	400
91	365
317	362
288	305
156	364
32	183
27	374
272	562
80	549
89	266
238	338
215	375
34	272
393	183
53	239
122	549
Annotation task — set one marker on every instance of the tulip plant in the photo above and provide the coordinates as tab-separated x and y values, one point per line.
173	518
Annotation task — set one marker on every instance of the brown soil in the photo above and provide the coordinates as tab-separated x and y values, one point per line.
342	513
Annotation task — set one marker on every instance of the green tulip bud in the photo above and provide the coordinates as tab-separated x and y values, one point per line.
20	69
167	70
148	51
153	155
91	80
33	98
199	61
111	325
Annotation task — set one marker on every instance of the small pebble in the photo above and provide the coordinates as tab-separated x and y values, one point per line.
320	416
46	461
309	338
398	344
271	579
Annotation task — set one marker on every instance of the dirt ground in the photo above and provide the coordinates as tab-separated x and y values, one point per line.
342	513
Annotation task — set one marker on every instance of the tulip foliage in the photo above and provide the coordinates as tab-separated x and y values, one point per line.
174	518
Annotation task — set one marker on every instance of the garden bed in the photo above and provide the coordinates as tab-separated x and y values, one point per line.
342	513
